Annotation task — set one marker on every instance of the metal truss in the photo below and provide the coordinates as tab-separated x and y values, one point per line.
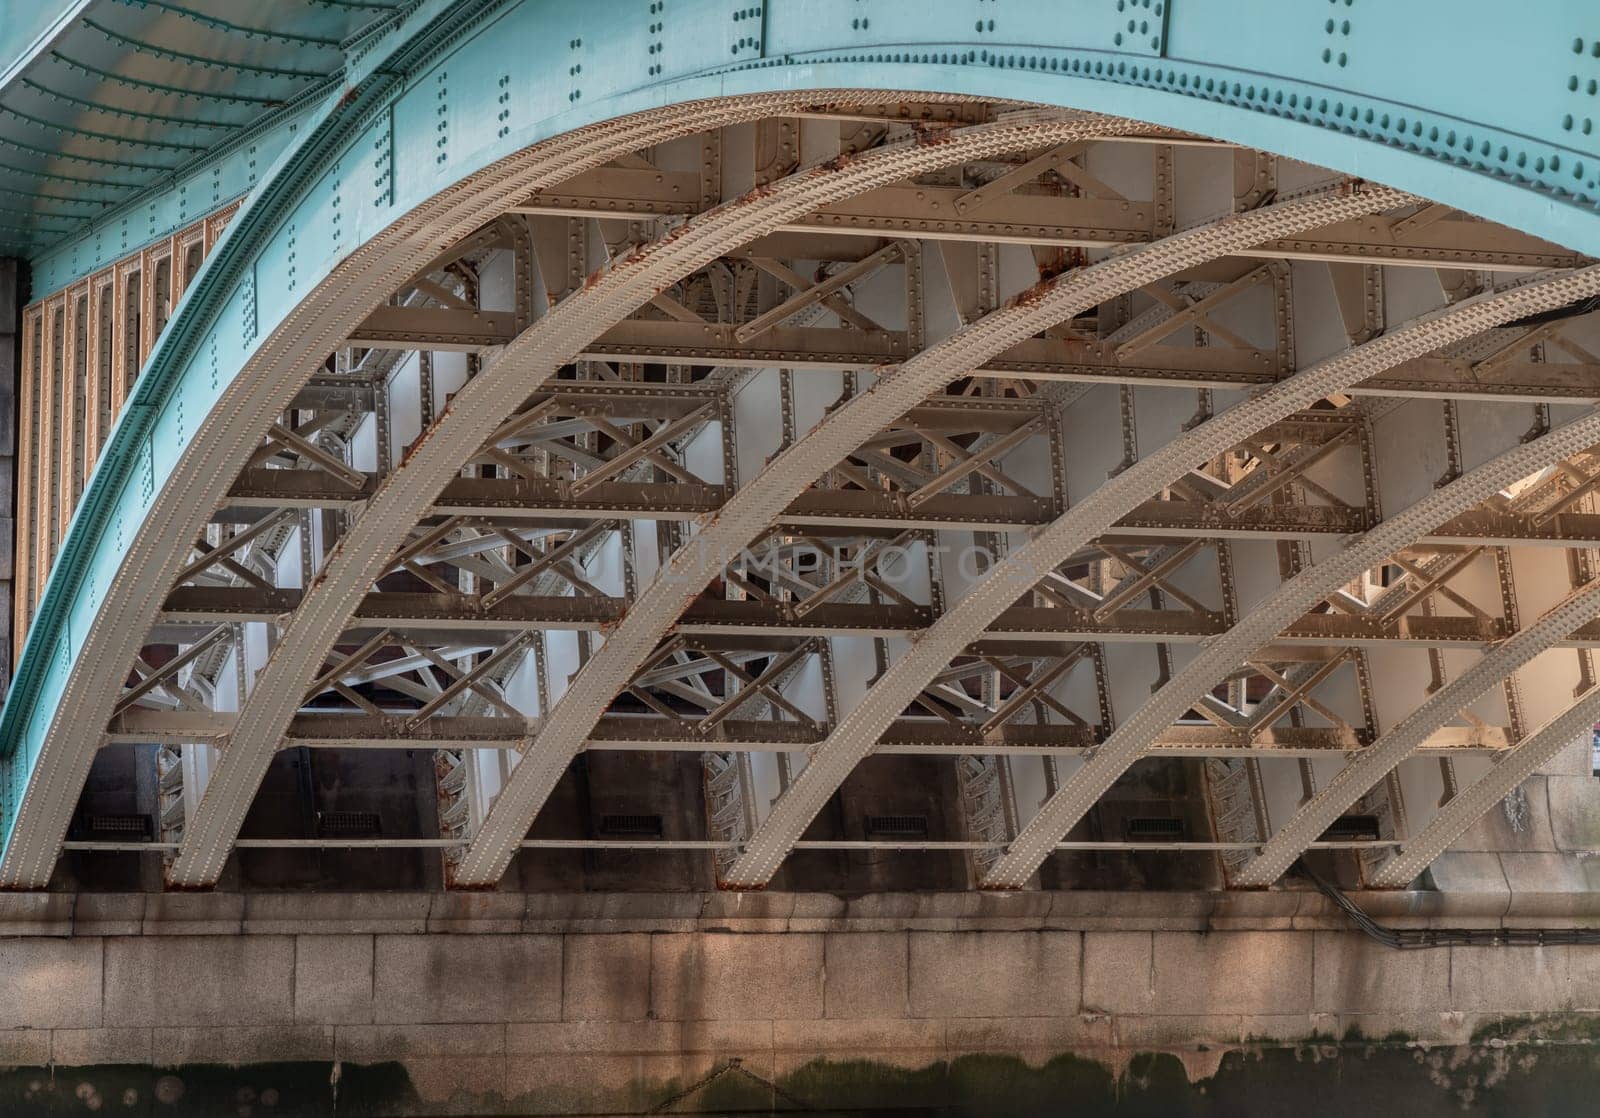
631	468
1445	704
1096	215
275	373
526	362
1091	516
833	439
1059	814
1467	807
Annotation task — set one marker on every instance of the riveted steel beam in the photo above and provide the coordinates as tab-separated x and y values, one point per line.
480	406
1091	516
1063	809
1469	805
691	845
193	610
1333	799
1084	361
943	213
756	503
510	500
342	730
60	739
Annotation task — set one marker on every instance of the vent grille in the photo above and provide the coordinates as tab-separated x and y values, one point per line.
1150	828
119	826
349	824
1352	828
631	826
897	826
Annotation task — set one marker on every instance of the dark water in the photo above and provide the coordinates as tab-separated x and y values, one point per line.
1518	1077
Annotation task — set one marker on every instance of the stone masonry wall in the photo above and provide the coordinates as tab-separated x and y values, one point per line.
426	1004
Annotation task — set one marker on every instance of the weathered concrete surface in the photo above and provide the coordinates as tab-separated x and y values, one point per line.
424	1004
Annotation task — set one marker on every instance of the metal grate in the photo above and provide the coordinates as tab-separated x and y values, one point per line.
897	826
1150	828
349	824
631	826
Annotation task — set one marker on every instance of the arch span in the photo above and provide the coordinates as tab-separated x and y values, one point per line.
411	155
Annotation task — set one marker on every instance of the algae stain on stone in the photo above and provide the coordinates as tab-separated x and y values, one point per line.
1365	1078
1522	1066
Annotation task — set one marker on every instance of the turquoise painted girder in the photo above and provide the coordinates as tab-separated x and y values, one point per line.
25	29
1477	104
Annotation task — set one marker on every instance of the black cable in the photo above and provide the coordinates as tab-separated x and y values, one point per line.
1571	310
1411	939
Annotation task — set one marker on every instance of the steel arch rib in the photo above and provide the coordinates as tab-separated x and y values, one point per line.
1131	740
53	665
1539	748
1091	517
1370	765
58	755
256	396
481	404
756	505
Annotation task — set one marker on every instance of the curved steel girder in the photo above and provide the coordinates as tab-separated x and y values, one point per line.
756	505
154	448
1537	749
256	396
1395	143
527	362
1131	740
1390	110
1523	174
1355	779
1091	517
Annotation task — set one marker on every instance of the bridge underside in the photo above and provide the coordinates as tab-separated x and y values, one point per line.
674	398
832	490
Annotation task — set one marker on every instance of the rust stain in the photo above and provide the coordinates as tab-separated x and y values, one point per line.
427	434
932	134
1034	294
1058	262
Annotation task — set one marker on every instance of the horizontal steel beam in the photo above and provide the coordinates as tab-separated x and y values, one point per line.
1082	361
1076	360
523	499
693	845
336	730
932	213
1020	630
